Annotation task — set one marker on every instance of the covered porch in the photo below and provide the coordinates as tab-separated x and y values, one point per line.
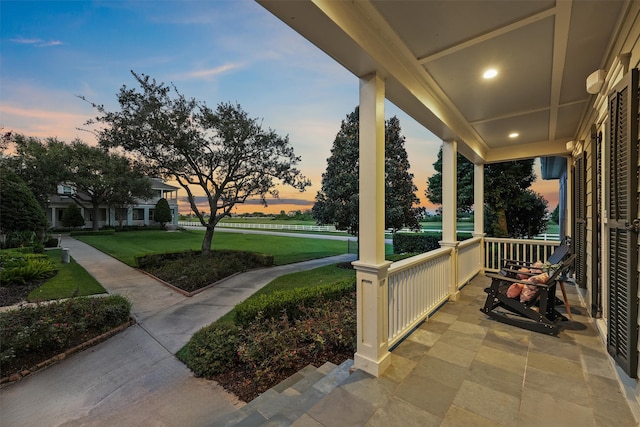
496	82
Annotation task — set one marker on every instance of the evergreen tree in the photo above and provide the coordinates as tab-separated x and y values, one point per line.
162	212
337	201
19	209
400	192
72	217
511	208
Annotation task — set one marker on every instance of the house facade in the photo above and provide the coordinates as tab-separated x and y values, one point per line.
496	82
140	214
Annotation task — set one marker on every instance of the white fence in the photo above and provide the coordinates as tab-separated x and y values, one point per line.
417	287
293	227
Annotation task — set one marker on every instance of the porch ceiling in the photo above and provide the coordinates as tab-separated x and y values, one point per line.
433	54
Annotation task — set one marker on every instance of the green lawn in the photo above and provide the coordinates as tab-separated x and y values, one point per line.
302	279
285	250
71	280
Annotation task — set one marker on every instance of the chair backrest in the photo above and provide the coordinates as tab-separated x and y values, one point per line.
559	254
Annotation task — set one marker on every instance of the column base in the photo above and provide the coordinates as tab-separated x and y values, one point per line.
454	296
375	368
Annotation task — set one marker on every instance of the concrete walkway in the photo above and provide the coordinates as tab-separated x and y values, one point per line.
134	379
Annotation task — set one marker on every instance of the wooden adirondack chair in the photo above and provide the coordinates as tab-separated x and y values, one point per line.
538	314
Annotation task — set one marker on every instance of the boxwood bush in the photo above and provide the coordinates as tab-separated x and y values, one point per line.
420	242
49	328
290	302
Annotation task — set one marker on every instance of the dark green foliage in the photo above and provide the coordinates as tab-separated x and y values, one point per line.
420	242
191	270
249	360
19	210
415	243
212	350
72	217
464	199
511	208
22	268
276	348
527	215
40	164
100	177
400	191
162	212
337	202
292	302
224	152
57	326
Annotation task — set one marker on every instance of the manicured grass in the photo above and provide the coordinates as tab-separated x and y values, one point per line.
309	278
285	250
71	280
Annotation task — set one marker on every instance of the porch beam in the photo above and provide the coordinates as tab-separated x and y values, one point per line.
372	354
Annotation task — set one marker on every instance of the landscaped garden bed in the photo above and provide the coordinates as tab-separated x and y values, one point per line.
25	276
32	335
191	271
273	335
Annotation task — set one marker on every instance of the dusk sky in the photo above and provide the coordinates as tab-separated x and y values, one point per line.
214	51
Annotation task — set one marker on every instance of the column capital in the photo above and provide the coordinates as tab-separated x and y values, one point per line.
377	269
449	244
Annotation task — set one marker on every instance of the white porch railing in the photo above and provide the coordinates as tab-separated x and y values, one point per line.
420	284
495	250
417	287
470	260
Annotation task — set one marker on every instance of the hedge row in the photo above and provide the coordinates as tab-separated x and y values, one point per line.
291	302
420	242
154	261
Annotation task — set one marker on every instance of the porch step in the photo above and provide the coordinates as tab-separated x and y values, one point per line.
285	403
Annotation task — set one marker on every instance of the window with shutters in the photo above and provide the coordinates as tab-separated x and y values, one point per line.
622	210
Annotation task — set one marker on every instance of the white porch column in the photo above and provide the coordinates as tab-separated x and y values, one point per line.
372	354
450	210
478	200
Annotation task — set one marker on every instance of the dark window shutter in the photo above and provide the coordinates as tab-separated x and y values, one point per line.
580	220
622	204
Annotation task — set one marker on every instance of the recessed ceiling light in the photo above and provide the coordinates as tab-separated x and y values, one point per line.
514	135
490	73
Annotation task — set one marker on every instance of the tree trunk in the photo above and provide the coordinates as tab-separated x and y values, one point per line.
502	230
208	239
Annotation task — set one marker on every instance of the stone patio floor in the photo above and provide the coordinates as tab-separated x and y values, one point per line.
462	369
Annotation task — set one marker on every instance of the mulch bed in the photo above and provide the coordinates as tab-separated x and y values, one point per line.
15	294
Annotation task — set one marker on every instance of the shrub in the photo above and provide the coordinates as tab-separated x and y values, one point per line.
211	350
162	212
420	242
290	303
56	326
272	349
416	242
72	217
22	268
190	270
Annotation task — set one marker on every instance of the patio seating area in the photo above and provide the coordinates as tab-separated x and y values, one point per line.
462	368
